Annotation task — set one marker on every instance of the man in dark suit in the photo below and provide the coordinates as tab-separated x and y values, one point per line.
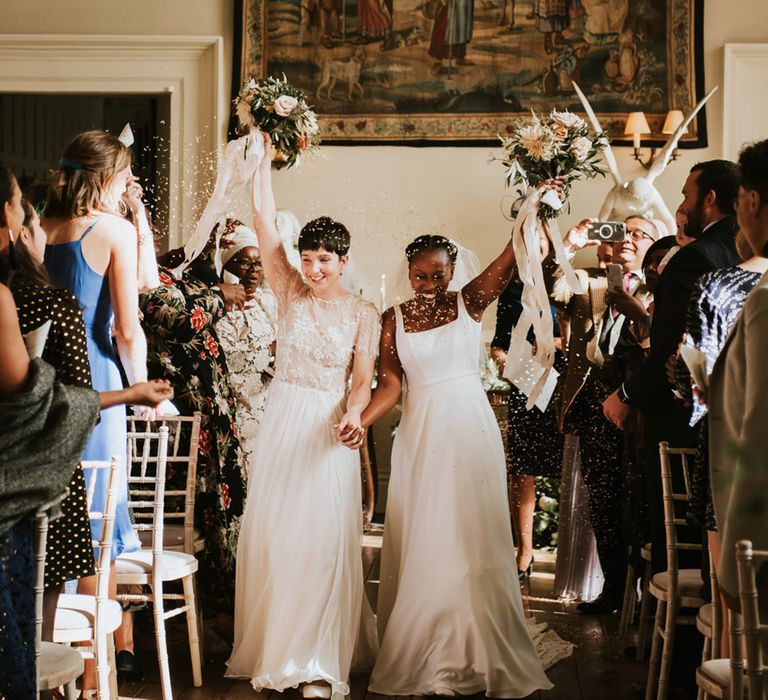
709	194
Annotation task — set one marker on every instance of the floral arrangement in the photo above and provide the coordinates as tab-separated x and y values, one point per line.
558	145
277	107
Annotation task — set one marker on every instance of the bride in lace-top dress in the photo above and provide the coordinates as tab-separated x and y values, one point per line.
299	588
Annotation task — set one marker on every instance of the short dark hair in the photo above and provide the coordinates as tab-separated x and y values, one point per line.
431	242
753	161
723	178
664	243
326	233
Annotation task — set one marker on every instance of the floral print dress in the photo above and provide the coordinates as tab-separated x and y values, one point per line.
179	321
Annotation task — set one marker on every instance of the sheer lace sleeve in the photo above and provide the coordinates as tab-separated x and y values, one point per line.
286	284
368	331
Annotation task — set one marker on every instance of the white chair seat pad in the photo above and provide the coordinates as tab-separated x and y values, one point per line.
718	671
76	615
689	584
173	538
57	665
136	567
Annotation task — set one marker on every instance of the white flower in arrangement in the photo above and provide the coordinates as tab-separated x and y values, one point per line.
251	84
535	140
285	104
581	147
310	124
568	119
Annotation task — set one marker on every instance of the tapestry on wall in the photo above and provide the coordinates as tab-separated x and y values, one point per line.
464	71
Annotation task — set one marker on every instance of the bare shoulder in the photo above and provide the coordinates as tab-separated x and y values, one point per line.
116	230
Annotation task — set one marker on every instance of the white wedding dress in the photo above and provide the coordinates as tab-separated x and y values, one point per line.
299	587
450	614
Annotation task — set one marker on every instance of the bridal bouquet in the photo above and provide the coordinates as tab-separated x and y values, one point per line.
557	145
277	107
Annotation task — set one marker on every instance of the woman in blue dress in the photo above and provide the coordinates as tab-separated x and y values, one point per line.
93	252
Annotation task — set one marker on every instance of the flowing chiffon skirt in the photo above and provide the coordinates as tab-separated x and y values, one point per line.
450	613
299	583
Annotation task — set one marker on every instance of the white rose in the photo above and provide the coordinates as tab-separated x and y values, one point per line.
568	119
581	147
285	104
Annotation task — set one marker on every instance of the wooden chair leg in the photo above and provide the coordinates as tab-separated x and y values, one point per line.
192	630
113	692
670	623
645	614
706	655
101	651
628	604
160	640
653	666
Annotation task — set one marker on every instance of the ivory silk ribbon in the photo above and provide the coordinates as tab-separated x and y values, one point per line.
238	165
536	310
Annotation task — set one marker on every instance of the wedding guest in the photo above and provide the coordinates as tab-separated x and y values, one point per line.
297	616
36	411
69	553
180	317
93	252
708	197
247	336
736	398
450	613
602	345
534	442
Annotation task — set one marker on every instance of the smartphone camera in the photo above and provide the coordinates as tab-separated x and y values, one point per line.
607	231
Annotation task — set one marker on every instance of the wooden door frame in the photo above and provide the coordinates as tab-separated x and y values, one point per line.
188	68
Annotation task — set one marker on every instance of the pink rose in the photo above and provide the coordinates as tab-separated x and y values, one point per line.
285	104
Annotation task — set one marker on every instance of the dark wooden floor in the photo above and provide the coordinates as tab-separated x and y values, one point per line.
598	670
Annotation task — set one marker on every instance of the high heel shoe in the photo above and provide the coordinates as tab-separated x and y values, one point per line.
523	574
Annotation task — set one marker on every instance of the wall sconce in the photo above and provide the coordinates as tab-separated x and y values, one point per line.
637	125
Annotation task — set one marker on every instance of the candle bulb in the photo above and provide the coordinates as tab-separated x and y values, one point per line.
383	290
636	140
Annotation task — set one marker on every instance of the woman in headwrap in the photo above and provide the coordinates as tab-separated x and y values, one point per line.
247	335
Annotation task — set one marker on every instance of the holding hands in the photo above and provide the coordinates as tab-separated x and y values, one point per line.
349	430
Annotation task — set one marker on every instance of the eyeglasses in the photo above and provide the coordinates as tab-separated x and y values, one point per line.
637	235
248	264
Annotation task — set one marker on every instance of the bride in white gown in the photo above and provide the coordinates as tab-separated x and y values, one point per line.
450	614
299	587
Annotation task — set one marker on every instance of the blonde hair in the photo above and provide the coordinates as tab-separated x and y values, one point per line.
89	162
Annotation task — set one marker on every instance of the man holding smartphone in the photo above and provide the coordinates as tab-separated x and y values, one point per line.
602	344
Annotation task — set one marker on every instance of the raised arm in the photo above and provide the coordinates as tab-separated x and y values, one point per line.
277	269
124	292
486	287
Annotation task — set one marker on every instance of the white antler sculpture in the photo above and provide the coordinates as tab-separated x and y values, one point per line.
639	196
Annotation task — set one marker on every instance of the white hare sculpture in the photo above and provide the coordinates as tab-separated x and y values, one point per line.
639	196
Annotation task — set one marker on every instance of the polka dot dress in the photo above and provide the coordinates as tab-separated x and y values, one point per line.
69	554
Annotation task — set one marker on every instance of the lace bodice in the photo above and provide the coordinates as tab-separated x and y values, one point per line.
317	338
